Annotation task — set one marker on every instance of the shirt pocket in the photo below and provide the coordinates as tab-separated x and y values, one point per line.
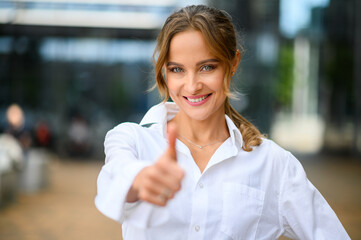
242	210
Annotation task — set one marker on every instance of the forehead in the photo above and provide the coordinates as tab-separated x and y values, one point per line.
189	45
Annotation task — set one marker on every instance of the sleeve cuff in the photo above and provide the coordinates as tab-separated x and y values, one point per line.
112	193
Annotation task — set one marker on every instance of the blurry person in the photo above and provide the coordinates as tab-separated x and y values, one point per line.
42	133
195	168
16	125
79	136
15	120
13	153
13	142
11	163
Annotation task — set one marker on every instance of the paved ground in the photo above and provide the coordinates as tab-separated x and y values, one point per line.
339	181
66	211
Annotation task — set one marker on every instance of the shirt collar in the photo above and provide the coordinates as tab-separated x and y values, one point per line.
161	113
234	133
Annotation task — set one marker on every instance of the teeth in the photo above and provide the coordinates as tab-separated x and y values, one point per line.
194	100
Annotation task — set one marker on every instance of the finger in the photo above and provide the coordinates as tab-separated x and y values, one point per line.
172	136
168	172
151	197
164	180
157	188
155	192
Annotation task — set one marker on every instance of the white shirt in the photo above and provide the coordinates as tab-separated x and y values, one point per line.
261	194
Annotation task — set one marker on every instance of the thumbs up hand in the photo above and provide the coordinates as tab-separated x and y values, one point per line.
159	182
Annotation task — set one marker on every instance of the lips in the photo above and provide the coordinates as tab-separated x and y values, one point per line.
197	100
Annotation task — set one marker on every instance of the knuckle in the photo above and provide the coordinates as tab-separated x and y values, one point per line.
174	187
147	184
162	164
153	173
144	195
180	174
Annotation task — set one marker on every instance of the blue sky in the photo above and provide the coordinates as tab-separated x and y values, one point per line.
296	14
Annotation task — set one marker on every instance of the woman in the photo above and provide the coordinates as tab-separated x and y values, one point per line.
216	177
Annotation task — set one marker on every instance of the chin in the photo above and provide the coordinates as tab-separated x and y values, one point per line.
200	115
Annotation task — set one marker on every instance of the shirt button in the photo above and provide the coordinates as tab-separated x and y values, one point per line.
197	228
200	185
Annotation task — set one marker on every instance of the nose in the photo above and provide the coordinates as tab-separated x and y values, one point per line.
193	85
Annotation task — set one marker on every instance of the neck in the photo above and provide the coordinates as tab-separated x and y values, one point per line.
205	131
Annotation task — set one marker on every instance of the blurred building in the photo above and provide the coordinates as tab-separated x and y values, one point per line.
302	90
65	60
340	76
257	22
325	104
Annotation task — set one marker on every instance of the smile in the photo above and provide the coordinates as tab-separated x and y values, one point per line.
197	100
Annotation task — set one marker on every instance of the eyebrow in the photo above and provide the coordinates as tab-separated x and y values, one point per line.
199	63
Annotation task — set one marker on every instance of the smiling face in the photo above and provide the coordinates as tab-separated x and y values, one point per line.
195	77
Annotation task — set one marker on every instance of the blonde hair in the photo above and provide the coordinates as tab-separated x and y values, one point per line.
220	36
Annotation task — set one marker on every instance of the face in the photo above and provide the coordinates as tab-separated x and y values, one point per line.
195	77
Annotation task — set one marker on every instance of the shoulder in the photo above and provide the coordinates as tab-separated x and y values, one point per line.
129	132
126	128
272	149
284	161
274	156
129	129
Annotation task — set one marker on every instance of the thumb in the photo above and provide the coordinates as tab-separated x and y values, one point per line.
172	136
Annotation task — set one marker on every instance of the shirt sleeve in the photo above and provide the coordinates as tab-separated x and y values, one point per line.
122	164
305	214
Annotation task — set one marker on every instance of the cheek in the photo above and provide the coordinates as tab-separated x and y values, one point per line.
172	86
216	84
174	94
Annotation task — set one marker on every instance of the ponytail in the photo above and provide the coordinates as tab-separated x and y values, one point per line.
251	135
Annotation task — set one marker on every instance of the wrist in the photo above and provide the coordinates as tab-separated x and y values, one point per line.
132	195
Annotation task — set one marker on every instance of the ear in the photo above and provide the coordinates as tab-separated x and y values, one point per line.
236	61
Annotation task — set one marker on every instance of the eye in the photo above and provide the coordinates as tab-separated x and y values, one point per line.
207	68
176	69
